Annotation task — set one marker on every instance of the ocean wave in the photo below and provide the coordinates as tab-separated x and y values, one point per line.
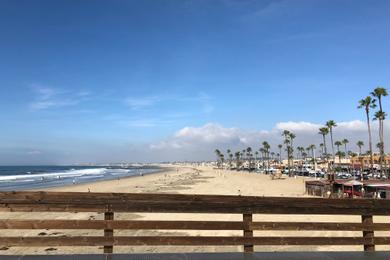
57	175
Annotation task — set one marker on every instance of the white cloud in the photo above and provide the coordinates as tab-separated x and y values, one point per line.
141	102
47	98
201	99
297	126
196	143
34	152
355	125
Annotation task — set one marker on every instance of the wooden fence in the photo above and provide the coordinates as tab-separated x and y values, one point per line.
110	203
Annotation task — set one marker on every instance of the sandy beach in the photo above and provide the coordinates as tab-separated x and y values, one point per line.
188	180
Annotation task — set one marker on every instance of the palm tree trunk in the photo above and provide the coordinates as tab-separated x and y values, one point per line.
383	147
280	154
331	140
323	136
370	142
380	148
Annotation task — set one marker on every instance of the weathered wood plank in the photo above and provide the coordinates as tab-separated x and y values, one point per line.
183	240
302	226
248	232
108	232
368	235
187	225
120	224
122	202
193	207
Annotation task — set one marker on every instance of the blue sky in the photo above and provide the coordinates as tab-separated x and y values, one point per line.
101	81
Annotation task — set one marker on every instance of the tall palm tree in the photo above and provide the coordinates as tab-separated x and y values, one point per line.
345	142
352	155
218	154
322	148
249	157
378	93
287	142
324	131
292	137
266	148
338	144
280	146
380	116
312	147
368	103
360	144
237	155
229	153
300	150
331	124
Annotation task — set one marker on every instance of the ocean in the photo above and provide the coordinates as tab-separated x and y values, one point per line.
38	177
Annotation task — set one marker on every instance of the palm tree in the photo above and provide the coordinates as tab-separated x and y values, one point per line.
324	131
352	155
331	124
360	144
249	156
286	135
338	144
288	141
237	155
218	154
368	103
266	148
378	93
345	142
304	155
340	154
380	116
312	147
262	151
229	153
280	146
292	137
300	150
322	148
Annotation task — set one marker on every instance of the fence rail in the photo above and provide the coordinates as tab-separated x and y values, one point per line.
109	203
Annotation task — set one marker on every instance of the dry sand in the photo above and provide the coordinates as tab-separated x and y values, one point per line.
188	180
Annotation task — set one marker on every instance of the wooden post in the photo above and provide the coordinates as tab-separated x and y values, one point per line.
248	232
108	215
368	233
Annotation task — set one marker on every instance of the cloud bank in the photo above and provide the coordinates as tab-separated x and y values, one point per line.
198	143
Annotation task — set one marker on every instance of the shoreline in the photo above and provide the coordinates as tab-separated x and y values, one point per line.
83	179
86	185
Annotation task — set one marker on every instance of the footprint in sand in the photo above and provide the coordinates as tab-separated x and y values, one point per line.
50	249
4	248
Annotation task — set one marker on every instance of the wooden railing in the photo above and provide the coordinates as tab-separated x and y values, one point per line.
110	203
